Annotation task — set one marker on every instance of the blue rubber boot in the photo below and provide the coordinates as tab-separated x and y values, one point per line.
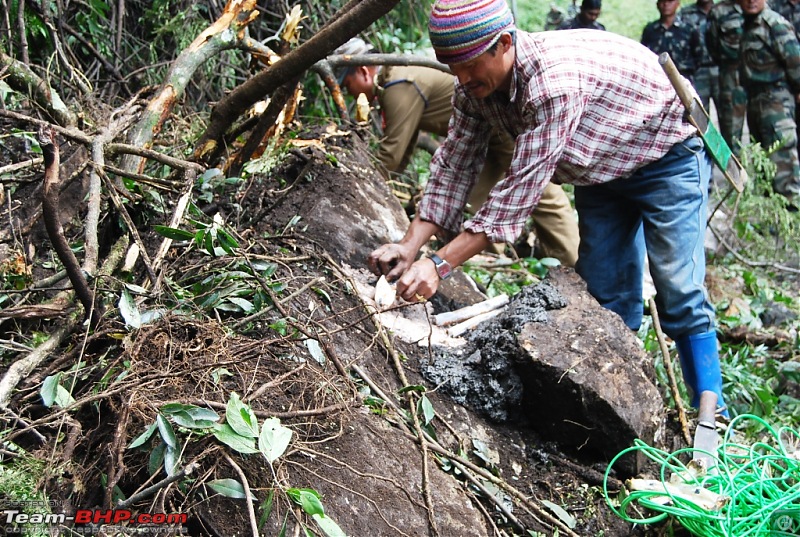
700	365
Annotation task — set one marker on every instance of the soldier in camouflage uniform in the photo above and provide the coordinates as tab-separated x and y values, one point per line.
706	76
674	36
586	17
723	34
555	18
770	71
573	9
790	10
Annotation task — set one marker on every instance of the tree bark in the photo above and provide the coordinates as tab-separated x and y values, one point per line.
294	64
23	79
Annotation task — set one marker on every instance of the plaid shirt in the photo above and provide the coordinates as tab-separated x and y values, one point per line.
586	107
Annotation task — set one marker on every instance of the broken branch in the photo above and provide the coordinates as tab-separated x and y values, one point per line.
52	222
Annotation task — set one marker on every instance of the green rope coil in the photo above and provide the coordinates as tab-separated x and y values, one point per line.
761	483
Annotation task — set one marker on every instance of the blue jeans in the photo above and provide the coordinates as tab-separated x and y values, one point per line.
659	210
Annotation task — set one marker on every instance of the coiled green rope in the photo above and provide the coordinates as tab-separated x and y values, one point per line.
758	486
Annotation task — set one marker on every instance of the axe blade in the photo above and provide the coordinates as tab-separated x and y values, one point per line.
705	436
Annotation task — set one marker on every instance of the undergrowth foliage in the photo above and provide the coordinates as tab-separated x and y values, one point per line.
765	226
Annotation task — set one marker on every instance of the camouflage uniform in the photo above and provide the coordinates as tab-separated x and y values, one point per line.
575	23
555	18
723	34
770	73
573	9
790	11
706	76
681	41
414	99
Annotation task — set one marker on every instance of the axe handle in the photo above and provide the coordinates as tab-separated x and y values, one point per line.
678	82
707	408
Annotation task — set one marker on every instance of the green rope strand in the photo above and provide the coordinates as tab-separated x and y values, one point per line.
760	481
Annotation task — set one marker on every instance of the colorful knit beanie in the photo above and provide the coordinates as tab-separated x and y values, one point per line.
461	30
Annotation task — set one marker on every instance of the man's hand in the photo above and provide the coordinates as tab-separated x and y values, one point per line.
391	260
420	282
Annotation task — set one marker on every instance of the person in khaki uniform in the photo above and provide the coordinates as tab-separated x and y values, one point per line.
414	99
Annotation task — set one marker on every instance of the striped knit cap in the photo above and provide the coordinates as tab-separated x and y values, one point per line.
461	30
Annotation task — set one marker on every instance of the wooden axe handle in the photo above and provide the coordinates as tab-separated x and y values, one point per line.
678	82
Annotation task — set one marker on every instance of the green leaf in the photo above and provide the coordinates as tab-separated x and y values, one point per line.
156	458
208	243
244	304
172	459
217	374
53	393
321	292
308	499
137	289
144	437
129	310
412	388
184	419
228	243
229	488
427	409
63	397
266	509
315	350
274	439
210	174
166	431
328	526
790	370
241	417
49	390
174	233
559	511
225	434
190	416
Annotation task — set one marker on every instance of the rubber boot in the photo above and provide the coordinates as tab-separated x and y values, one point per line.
700	365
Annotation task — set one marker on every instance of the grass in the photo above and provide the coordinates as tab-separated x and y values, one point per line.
624	17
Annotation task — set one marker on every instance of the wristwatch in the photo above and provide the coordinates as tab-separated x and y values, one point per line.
443	268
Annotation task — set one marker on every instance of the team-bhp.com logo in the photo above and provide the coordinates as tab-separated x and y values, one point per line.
16	521
785	523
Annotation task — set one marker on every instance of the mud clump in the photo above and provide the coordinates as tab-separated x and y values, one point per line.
483	375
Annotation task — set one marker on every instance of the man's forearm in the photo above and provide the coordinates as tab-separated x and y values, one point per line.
419	232
463	247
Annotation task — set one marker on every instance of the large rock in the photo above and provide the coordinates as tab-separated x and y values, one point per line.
560	363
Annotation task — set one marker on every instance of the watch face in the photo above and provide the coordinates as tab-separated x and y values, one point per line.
444	269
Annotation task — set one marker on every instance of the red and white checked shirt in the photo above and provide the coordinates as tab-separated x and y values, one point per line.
586	107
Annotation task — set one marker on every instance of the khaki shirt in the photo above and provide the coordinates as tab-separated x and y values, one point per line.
415	99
